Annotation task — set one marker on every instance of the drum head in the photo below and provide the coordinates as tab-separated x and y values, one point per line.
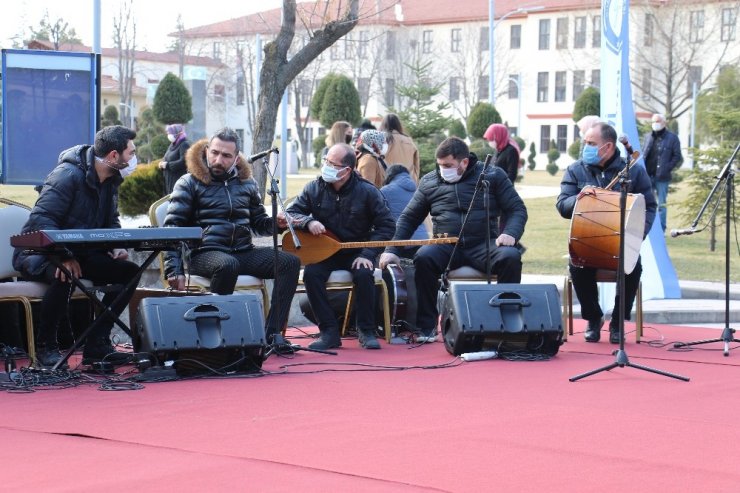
634	228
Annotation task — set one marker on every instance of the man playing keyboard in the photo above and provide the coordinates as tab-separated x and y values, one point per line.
81	193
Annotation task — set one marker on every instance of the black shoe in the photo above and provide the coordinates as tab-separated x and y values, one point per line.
103	351
47	357
328	339
593	332
368	340
613	334
280	345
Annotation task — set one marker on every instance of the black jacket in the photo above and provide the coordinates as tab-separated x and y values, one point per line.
508	160
449	202
175	167
580	175
357	212
669	155
228	210
70	199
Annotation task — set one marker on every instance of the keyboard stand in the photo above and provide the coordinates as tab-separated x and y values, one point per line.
106	308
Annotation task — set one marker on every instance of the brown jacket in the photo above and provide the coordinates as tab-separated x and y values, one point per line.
403	151
370	169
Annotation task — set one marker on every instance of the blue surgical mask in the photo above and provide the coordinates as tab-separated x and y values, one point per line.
330	174
591	154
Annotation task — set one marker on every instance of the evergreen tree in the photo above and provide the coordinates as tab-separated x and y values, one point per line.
531	157
317	101
588	103
148	129
110	116
481	117
172	101
421	118
457	129
718	116
341	102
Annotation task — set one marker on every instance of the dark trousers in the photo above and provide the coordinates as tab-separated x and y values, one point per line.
315	277
431	260
223	269
584	282
99	268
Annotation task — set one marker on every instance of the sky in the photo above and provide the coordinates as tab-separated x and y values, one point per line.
154	18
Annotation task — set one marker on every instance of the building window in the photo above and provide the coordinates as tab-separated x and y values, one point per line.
426	41
349	47
561	34
455	38
514	131
454	88
482	88
696	26
647	83
580	33
649	34
217	51
390	45
693	77
483	40
542	89
596	78
219	92
513	86
562	141
729	21
389	92
559	86
579	81
516	37
544	43
596	24
334	51
362	46
544	139
363	88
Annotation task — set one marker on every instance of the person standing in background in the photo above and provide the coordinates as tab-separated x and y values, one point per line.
507	150
370	163
662	155
340	133
401	148
173	162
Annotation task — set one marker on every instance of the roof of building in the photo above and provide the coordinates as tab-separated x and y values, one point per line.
315	14
169	57
109	84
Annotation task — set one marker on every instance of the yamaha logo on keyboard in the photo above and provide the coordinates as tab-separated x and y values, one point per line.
68	236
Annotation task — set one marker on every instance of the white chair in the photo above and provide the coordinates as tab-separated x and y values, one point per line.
157	213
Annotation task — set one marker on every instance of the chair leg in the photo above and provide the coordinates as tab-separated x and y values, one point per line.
570	306
638	316
347	310
266	301
29	331
386	311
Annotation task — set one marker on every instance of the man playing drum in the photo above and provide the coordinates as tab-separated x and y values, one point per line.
598	166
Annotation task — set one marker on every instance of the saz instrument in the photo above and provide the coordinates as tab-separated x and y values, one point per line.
315	248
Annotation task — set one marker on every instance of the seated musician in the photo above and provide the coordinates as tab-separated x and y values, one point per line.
351	208
219	195
81	193
599	164
446	193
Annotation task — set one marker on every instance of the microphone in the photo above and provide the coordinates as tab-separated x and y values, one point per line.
260	155
626	143
680	232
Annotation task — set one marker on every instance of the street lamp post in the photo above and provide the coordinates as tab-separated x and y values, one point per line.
491	38
517	79
130	113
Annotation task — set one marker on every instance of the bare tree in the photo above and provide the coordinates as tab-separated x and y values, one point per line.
124	38
678	45
58	31
278	71
303	89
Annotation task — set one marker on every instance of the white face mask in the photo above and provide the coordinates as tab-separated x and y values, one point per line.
492	144
330	174
171	137
657	126
450	175
384	150
132	163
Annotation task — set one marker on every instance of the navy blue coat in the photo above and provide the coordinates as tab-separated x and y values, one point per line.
398	194
669	154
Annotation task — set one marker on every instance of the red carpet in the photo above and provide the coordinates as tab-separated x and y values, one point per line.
480	426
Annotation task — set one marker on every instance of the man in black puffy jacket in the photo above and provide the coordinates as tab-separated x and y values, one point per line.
353	210
81	193
600	163
219	195
446	194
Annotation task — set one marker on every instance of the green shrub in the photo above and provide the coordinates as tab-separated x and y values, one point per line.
574	150
552	168
481	117
159	146
532	156
457	129
317	145
172	101
140	189
480	147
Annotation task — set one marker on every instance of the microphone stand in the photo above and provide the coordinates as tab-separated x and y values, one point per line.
278	344
726	175
622	359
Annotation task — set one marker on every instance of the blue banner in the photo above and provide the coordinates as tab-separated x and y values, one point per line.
659	278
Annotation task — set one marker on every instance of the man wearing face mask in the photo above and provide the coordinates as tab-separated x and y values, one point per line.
662	155
81	193
446	194
219	195
600	163
353	209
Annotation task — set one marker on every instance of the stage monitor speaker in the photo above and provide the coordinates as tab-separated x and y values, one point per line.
477	316
203	333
